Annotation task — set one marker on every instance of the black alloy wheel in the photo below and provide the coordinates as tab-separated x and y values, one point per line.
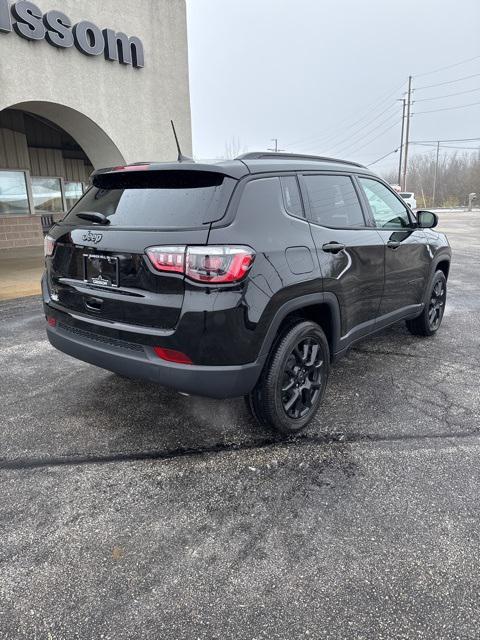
437	304
429	321
302	376
293	381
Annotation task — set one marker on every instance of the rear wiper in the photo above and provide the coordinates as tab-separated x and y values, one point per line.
93	216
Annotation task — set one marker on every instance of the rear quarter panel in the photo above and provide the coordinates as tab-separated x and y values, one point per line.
262	223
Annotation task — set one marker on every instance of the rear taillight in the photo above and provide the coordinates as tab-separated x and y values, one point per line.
218	264
167	258
213	264
48	246
52	322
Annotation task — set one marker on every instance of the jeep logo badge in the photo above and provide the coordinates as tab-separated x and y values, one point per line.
90	236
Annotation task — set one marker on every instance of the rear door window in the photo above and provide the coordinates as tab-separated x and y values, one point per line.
156	199
333	201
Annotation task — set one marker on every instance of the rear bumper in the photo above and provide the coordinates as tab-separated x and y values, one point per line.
136	361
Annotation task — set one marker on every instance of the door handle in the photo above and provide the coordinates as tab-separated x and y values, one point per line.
333	247
393	244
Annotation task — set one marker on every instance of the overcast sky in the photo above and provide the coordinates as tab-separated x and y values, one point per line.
305	71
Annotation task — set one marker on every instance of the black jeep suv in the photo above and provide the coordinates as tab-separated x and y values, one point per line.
246	277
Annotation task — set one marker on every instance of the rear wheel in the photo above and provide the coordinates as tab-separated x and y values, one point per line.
428	323
293	380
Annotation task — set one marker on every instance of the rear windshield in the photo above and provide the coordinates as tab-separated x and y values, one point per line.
155	199
406	195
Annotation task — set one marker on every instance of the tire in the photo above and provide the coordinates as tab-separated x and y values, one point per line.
429	321
293	381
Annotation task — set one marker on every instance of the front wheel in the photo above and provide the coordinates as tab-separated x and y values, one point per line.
429	321
293	381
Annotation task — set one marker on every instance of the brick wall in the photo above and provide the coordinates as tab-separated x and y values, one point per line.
20	231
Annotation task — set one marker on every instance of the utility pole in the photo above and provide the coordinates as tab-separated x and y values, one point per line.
407	132
276	149
399	181
435	174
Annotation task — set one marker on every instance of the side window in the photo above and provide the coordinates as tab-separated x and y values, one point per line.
333	201
387	210
291	196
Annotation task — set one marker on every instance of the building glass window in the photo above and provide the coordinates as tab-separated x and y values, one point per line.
73	192
13	193
47	194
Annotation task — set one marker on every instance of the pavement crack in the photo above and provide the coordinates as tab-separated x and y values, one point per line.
414	356
18	464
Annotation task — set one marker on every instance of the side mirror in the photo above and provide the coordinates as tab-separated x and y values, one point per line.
426	219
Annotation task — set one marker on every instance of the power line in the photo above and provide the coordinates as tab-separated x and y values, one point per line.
439	84
340	147
368	112
336	141
448	95
344	144
432	143
449	140
446	146
450	66
331	139
404	146
385	156
373	139
461	106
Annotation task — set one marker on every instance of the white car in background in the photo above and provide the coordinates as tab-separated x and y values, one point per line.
409	198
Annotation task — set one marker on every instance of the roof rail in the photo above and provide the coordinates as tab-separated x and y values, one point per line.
264	155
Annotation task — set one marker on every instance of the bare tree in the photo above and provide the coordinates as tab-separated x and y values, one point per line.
233	148
458	175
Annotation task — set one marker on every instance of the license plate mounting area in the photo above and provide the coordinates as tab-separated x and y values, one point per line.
100	270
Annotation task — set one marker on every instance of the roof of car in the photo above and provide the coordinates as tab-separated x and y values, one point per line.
249	163
261	161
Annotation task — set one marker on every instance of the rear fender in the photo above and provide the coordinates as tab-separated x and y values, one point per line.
297	304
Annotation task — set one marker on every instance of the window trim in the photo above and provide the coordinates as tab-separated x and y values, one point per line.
412	224
302	202
307	205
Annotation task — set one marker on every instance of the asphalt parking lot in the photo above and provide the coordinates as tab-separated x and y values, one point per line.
129	511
